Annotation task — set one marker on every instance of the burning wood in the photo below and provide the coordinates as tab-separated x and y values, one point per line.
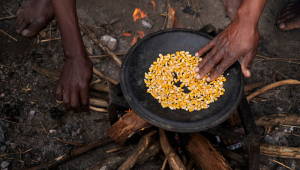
153	3
170	17
125	127
126	34
140	35
140	149
138	14
204	154
173	159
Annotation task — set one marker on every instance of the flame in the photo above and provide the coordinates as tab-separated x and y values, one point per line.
127	110
138	14
176	138
153	3
126	33
140	35
179	148
143	129
173	14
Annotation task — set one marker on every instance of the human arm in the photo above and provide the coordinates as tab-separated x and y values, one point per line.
76	74
239	39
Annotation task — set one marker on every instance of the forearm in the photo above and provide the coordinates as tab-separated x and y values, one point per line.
250	10
65	11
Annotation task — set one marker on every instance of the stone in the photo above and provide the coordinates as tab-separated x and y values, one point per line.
2	95
4	164
109	41
146	24
13	145
74	134
32	112
2	138
78	131
3	148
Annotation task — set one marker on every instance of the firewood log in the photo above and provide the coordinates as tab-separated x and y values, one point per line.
279	151
125	127
139	150
278	119
204	154
173	159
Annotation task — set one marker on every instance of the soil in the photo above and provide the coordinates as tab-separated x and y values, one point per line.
26	97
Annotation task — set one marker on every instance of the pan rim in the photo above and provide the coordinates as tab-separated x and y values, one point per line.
171	125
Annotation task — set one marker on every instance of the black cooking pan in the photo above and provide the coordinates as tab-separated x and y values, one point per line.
138	60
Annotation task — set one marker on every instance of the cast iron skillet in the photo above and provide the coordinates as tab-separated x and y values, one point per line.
138	60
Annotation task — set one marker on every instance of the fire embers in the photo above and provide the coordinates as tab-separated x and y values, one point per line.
178	141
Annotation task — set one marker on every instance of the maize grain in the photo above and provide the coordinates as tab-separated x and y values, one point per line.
180	67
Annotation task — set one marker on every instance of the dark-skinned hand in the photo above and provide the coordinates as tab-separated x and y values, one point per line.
73	83
239	39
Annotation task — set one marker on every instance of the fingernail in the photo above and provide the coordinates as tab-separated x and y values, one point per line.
25	32
197	54
248	73
281	25
17	31
198	76
197	69
208	79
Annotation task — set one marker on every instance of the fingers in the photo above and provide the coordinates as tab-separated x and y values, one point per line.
67	98
74	104
210	63
205	48
247	62
226	63
84	96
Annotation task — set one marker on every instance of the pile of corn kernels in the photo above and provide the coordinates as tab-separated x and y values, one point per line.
180	67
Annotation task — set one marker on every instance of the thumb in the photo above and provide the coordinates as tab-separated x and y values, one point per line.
247	62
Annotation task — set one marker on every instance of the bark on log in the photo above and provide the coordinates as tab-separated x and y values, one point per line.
280	151
125	127
173	159
71	155
112	162
98	73
116	160
170	17
140	149
98	102
93	36
278	119
190	164
204	154
102	87
252	86
272	85
153	150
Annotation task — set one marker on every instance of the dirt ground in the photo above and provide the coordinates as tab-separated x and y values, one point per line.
26	96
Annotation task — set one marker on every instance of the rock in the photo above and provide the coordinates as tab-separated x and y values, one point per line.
3	148
2	95
52	131
32	112
146	24
27	156
78	131
13	145
188	10
43	34
68	128
74	134
4	164
2	138
109	41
